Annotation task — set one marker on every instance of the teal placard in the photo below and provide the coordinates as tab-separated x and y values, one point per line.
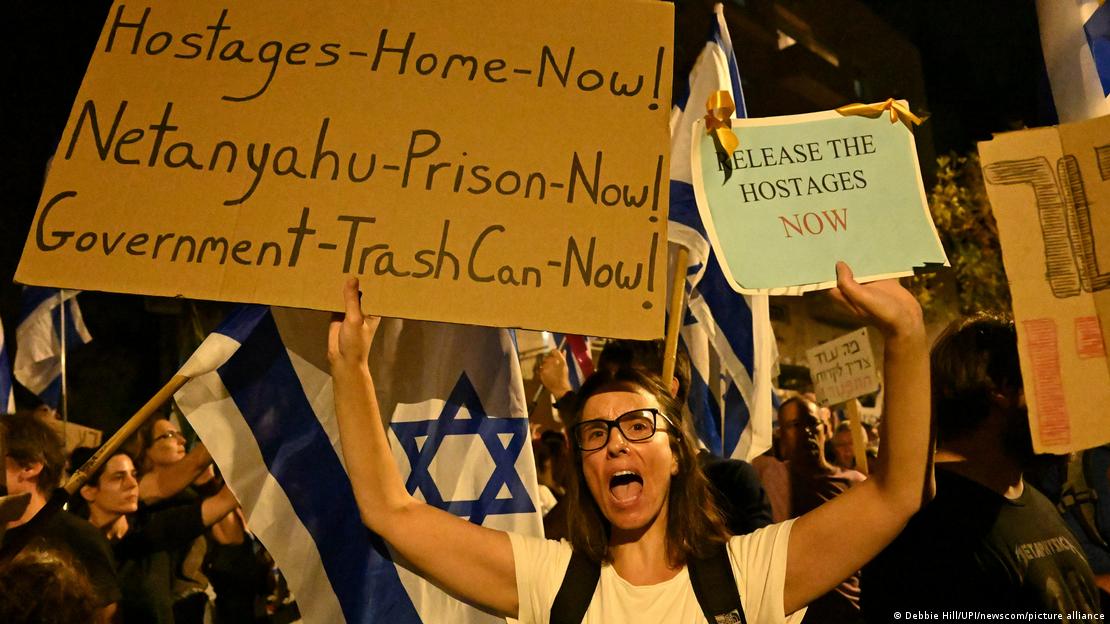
807	190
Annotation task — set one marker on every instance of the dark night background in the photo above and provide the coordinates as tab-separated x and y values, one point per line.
983	73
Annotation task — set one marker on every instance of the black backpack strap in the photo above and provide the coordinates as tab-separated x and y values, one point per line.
577	590
715	587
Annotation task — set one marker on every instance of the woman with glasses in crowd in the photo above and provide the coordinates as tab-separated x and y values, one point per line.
170	477
640	505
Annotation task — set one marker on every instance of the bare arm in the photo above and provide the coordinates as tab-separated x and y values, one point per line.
831	542
467	560
164	483
229	529
216	507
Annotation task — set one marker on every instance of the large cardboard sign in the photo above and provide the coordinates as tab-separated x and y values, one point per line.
843	369
498	163
1049	191
803	191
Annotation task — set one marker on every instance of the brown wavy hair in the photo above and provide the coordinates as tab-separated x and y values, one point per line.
45	587
694	522
32	440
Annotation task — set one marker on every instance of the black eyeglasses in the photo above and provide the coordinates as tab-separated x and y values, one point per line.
636	426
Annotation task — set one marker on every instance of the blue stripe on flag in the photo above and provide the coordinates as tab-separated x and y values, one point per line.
707	416
241	322
682	90
32	297
51	395
736	418
73	337
684	208
733	71
730	312
264	386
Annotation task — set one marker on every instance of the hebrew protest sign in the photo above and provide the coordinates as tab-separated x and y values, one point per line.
490	163
803	191
843	368
1049	191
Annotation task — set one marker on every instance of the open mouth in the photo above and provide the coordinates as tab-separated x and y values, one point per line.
626	486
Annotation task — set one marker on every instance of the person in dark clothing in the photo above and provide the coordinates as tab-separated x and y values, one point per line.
239	574
86	546
738	492
144	541
171	477
989	541
33	465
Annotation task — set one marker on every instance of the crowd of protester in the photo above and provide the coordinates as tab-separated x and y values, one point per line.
989	540
156	536
153	536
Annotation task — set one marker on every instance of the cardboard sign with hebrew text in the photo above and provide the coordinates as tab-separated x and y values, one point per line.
843	368
1050	193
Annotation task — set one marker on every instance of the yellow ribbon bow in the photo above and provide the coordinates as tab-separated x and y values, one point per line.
898	111
718	119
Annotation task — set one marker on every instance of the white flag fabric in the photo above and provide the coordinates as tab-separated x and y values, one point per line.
38	355
734	358
1075	37
260	398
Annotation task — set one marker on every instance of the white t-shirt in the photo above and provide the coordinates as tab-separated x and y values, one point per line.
758	562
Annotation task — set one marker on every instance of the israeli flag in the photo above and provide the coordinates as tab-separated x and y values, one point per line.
728	335
260	398
1075	37
38	357
7	397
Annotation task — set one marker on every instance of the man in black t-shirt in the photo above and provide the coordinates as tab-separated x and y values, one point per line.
988	542
34	462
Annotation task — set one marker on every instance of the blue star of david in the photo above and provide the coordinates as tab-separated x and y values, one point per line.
487	428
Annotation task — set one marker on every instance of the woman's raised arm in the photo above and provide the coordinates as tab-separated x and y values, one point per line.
164	483
471	562
831	542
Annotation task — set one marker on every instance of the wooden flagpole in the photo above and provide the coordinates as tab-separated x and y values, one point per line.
674	316
106	450
859	438
64	403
